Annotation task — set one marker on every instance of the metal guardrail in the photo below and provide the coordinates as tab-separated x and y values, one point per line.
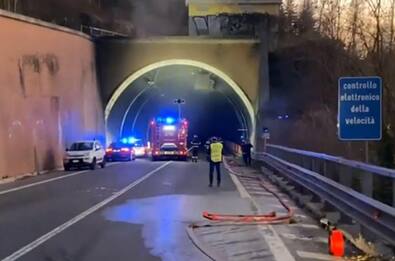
375	182
332	180
348	185
373	215
351	163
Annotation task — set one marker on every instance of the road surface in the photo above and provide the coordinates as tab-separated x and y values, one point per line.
138	211
146	222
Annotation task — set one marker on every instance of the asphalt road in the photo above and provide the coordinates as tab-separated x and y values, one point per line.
127	211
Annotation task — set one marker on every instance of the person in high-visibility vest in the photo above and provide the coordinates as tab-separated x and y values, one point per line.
215	152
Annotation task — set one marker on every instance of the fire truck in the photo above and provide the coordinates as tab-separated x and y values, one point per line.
168	138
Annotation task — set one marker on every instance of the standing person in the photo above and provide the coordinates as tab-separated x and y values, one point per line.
195	148
207	147
215	160
246	147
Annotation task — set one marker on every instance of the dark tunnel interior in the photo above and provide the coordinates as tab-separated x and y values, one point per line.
211	106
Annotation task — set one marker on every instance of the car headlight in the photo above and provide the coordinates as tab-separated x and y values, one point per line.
87	154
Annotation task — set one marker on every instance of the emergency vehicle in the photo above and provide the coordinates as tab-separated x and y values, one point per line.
168	138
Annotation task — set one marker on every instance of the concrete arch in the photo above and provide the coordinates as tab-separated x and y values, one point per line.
227	79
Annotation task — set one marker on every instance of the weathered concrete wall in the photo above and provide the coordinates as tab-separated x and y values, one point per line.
48	94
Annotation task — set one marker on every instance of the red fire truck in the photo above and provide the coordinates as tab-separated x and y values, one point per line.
168	138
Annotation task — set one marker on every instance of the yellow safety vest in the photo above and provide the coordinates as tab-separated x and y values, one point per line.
216	152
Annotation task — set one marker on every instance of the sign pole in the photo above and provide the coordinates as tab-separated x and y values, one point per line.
367	151
264	144
265	136
179	102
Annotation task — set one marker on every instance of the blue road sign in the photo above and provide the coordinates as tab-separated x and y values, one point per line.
360	103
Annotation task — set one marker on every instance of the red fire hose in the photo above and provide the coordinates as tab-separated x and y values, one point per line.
268	218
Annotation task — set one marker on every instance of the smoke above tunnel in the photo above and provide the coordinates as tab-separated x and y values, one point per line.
159	17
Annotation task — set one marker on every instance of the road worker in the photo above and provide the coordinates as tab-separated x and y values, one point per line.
215	153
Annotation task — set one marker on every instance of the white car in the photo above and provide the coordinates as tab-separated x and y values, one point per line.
139	150
84	154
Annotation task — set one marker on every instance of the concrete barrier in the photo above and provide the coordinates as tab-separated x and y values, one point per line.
48	93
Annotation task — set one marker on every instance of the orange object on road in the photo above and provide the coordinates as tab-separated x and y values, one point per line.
269	218
336	243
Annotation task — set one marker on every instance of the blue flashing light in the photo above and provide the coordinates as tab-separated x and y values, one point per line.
169	120
132	140
129	140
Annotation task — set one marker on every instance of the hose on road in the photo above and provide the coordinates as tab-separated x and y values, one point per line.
268	218
217	219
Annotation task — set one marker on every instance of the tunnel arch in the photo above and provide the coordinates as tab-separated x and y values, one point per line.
157	65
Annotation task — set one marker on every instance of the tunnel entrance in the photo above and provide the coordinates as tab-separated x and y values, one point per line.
214	104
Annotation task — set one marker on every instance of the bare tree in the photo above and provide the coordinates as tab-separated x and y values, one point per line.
306	21
355	9
321	6
290	14
392	29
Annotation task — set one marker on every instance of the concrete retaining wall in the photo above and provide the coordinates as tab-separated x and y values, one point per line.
48	94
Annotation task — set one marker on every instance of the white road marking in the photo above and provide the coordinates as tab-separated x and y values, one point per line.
243	192
276	245
26	249
301	225
304	238
41	182
65	175
317	256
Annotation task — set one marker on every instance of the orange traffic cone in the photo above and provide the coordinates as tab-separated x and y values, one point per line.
336	243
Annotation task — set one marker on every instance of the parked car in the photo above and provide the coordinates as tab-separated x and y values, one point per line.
84	154
139	149
119	151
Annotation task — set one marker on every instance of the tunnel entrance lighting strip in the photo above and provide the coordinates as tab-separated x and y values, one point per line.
134	76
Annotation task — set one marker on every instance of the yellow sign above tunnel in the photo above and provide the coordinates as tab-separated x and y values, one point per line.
205	8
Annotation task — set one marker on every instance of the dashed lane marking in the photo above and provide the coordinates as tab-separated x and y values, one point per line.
26	249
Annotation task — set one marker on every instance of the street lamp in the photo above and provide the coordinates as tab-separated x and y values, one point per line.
179	102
